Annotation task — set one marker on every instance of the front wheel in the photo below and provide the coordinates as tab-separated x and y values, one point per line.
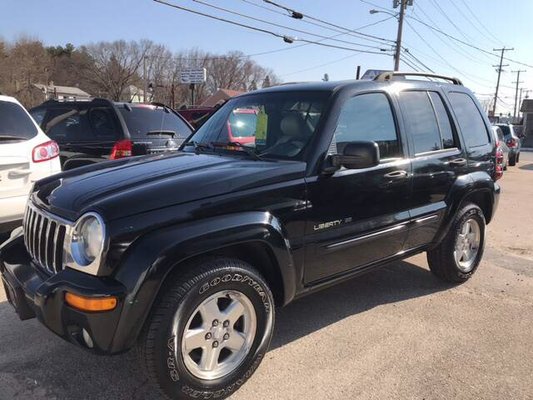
457	257
209	331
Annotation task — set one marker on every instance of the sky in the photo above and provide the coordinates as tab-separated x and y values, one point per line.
485	24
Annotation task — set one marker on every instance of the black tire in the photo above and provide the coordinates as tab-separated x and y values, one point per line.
176	308
512	161
442	261
518	158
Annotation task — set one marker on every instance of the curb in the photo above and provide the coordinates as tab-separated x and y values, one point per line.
527	149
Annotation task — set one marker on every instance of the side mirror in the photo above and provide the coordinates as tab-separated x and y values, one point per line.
356	155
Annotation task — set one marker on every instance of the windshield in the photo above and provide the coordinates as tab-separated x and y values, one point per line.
278	125
15	124
155	120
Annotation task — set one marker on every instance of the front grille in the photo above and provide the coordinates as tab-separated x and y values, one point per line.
44	236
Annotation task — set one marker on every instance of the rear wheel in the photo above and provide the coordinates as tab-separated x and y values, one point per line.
458	256
209	331
512	160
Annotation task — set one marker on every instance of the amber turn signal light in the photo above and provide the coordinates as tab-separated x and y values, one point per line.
91	303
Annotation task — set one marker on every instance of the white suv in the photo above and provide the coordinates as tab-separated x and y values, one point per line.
26	155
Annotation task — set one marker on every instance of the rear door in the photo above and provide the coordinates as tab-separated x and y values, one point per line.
153	128
438	159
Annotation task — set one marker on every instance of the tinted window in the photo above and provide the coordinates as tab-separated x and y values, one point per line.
367	117
14	122
103	123
147	118
470	120
421	121
38	115
443	119
505	129
67	124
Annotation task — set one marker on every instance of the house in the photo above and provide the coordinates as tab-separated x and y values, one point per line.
133	94
62	93
219	96
527	111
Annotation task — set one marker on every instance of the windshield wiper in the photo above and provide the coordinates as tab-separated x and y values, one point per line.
10	137
242	147
198	147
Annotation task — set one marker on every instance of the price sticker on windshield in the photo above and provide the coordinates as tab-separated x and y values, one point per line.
261	127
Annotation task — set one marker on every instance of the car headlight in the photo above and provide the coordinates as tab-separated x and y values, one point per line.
88	240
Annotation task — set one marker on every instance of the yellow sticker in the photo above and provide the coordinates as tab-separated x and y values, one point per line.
261	127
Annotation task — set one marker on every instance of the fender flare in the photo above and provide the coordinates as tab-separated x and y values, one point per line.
475	183
154	256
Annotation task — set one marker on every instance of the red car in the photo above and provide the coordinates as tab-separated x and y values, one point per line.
241	125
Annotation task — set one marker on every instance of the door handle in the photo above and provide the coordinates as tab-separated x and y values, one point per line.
396	175
18	173
458	162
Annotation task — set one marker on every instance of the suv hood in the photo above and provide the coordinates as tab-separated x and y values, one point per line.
130	186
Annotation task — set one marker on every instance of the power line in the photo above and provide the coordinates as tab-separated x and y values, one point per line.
477	19
286	38
452	46
467	44
407	51
352	33
325	22
282	26
467	19
442	12
307	44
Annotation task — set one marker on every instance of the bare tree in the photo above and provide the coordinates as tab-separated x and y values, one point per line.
115	65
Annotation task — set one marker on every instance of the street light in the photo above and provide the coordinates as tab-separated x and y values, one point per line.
399	16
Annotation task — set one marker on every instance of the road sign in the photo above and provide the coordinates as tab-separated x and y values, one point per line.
193	75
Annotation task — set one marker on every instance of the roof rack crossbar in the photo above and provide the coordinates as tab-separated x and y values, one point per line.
387	76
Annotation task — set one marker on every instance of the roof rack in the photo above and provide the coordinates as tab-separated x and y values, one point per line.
389	75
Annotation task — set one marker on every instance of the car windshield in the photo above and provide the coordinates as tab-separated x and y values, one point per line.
15	123
277	125
147	119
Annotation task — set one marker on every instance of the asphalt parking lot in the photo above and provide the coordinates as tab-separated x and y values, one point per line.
396	333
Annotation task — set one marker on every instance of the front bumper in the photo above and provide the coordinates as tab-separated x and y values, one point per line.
34	293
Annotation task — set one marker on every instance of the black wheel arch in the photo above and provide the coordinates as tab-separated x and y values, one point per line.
256	238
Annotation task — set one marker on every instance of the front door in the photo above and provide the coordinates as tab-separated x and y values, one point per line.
358	217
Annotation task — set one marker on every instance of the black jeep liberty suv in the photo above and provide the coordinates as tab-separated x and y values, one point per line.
186	255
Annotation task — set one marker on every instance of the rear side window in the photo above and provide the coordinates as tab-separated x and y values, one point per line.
367	117
15	123
469	119
421	121
148	120
68	124
443	119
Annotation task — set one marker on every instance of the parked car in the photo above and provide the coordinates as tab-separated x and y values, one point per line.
26	155
242	124
185	256
502	145
99	130
513	142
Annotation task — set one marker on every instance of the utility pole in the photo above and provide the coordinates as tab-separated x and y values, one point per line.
518	81
403	5
499	75
145	89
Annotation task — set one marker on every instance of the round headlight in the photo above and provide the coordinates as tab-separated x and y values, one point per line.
88	239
